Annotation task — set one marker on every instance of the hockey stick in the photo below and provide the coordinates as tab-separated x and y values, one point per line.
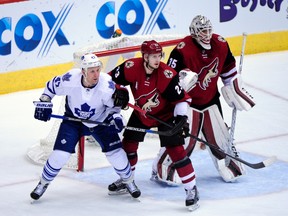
234	111
164	133
259	165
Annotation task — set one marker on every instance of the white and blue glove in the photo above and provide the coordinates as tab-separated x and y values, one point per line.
117	121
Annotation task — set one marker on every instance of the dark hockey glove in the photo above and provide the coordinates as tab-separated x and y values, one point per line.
43	110
181	125
121	96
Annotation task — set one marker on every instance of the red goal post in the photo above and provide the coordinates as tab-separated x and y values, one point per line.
111	52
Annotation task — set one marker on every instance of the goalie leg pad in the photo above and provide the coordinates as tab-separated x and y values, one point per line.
163	166
195	118
216	132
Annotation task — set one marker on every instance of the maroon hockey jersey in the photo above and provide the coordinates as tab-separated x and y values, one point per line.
157	94
208	64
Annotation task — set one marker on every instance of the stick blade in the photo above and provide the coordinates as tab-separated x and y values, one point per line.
269	161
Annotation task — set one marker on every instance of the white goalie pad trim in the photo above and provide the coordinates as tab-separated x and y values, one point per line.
187	79
236	95
222	137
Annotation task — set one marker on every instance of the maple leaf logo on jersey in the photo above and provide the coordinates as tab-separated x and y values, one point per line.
85	111
66	77
151	102
207	73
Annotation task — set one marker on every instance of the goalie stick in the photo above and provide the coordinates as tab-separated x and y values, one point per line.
234	111
163	133
258	165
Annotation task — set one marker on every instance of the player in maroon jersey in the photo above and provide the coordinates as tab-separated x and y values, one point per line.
201	59
156	90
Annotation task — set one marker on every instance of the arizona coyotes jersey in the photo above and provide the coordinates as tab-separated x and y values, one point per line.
157	94
85	103
208	64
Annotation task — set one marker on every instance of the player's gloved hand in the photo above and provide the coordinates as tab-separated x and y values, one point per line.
121	96
187	79
117	121
43	110
182	125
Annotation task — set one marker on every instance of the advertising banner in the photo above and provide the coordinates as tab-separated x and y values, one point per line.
40	33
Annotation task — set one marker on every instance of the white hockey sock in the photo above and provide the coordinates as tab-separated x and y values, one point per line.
53	165
118	159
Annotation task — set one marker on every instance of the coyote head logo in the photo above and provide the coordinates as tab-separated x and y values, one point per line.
151	102
207	73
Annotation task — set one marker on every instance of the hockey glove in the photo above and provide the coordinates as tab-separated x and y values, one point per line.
188	79
43	110
182	125
117	121
121	96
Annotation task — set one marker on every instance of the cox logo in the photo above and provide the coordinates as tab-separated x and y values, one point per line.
31	21
128	9
228	9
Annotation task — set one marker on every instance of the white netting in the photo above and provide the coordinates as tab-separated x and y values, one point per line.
119	49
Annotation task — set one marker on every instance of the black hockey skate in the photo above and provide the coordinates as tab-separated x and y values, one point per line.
192	199
39	191
118	187
133	189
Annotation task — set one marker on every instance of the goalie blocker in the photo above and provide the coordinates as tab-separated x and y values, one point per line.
236	95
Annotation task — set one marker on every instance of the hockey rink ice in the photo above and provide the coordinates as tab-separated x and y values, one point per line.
259	134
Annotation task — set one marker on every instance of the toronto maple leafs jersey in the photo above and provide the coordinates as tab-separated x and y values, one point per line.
208	64
94	103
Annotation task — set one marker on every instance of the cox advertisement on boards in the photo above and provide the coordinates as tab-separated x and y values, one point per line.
42	33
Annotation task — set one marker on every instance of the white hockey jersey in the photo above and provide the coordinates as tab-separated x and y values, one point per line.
85	103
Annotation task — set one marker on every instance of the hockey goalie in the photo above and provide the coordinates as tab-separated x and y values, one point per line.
201	59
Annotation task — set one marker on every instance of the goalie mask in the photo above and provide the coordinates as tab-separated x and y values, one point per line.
201	30
90	60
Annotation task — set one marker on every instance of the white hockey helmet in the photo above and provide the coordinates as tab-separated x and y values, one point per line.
90	60
201	29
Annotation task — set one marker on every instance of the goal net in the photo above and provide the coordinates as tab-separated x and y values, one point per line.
112	52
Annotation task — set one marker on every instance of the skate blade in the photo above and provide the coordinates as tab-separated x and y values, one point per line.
32	201
193	207
120	192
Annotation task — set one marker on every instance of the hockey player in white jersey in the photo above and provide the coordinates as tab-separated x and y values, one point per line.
89	95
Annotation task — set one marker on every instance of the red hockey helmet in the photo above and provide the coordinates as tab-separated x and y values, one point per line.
151	47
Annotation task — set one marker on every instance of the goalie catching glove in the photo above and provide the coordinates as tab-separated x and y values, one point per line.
235	95
43	108
121	96
187	79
